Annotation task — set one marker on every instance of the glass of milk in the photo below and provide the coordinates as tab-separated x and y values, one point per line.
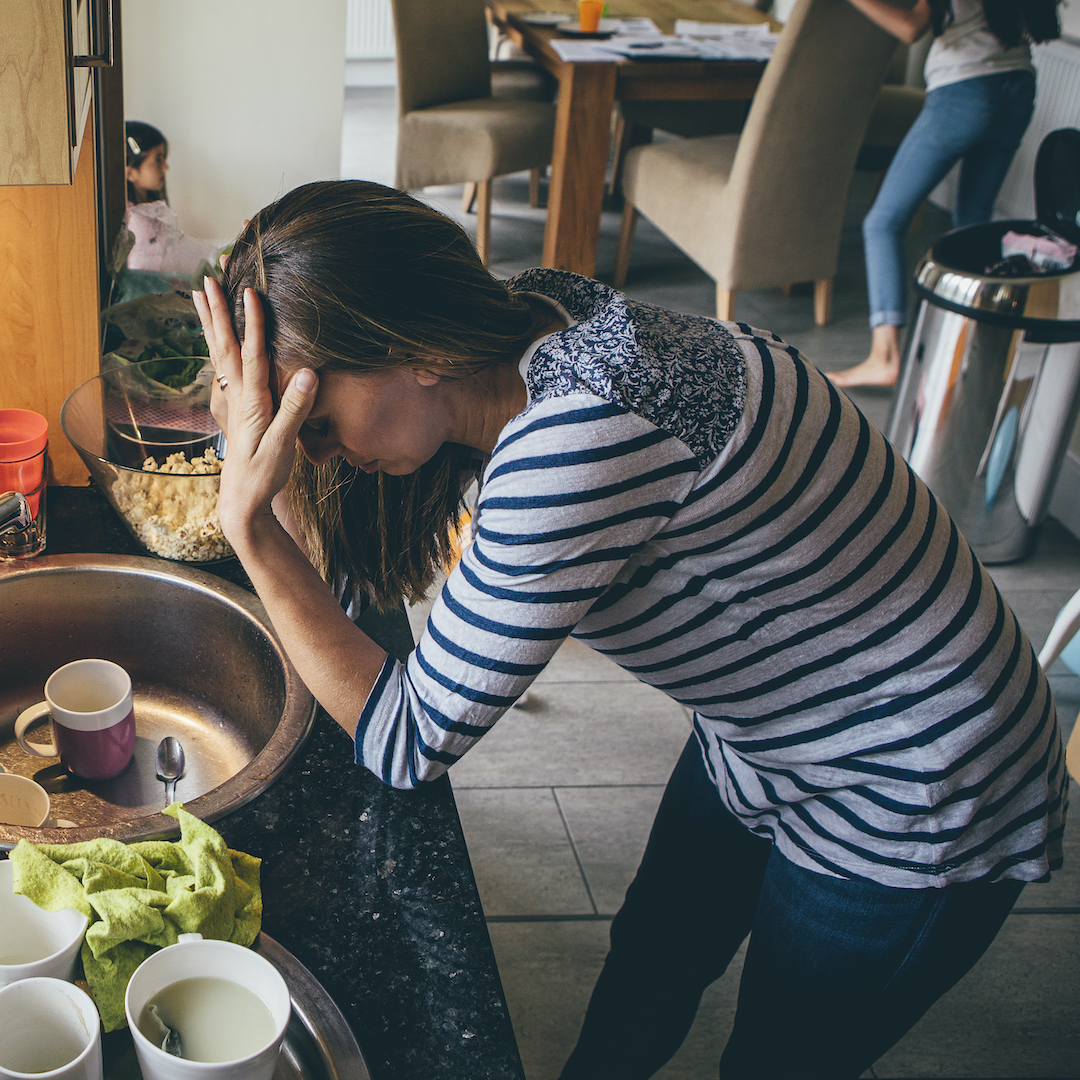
228	1005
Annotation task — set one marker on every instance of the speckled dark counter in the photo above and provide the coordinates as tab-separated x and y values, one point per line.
370	888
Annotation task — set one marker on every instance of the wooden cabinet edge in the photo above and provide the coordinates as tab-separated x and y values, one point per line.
42	100
50	338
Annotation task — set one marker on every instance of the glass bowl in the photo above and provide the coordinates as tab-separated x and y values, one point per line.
146	434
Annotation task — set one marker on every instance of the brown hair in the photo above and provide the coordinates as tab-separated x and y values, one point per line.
358	277
1009	20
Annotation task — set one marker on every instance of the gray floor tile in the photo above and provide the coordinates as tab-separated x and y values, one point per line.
1036	610
576	662
521	856
1013	1015
548	971
1063	888
609	827
580	734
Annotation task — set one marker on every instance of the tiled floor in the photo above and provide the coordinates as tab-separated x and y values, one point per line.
557	801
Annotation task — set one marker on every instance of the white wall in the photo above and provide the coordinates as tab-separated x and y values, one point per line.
249	94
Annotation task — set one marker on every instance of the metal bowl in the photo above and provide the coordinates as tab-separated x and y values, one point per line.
205	665
123	417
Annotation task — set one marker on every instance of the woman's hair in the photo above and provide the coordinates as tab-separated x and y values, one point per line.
139	140
356	277
1010	21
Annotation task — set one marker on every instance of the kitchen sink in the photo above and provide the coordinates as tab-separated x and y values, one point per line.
205	665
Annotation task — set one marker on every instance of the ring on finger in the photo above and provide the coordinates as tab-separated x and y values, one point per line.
222	381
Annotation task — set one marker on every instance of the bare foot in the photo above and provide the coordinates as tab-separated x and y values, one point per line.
880	368
873	371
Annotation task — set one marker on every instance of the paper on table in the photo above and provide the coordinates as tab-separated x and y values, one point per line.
638	27
692	28
654	48
730	41
575	51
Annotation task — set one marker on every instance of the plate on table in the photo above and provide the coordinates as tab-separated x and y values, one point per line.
319	1044
544	18
577	32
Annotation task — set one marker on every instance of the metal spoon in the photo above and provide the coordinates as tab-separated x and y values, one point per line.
170	766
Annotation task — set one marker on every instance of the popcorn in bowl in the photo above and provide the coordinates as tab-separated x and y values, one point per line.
170	511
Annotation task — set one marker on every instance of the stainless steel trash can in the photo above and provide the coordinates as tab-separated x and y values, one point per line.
990	384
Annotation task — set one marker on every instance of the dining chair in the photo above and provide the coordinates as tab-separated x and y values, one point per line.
766	207
1061	633
451	128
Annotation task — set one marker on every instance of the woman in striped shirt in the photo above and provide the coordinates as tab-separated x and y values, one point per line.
875	767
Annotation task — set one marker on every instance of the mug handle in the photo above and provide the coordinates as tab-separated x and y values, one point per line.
26	718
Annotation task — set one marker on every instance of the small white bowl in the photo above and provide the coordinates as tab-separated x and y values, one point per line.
35	943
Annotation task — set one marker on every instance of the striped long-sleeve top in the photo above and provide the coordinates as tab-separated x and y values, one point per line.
695	501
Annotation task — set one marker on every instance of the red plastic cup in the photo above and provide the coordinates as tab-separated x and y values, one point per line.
24	449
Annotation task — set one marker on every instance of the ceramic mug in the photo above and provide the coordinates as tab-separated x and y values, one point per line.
51	1031
22	801
34	942
193	958
93	720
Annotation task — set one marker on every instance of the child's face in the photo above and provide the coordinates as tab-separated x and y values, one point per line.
150	175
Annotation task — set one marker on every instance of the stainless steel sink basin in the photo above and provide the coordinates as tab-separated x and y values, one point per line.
205	666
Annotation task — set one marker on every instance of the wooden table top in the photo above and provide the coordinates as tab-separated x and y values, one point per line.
662	12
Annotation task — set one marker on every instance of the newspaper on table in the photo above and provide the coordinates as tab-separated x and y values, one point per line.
729	41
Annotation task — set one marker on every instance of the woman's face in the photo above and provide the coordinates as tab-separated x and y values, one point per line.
150	175
390	421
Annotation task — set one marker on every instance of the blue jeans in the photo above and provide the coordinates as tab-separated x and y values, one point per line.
979	120
836	970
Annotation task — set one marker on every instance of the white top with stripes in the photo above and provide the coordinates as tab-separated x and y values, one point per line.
697	502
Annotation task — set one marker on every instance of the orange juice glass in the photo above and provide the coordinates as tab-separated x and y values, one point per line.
589	12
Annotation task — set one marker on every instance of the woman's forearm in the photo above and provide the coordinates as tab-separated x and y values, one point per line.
907	24
336	660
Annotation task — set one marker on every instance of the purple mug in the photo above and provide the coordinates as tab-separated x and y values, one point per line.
93	720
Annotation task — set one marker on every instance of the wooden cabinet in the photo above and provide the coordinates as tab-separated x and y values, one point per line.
49	336
45	87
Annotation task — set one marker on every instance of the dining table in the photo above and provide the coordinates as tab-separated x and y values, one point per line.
588	91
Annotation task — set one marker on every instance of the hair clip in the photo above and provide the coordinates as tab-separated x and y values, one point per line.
133	146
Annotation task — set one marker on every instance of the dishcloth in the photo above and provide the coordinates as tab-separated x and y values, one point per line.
141	896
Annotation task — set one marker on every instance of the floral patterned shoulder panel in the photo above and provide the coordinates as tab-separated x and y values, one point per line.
683	373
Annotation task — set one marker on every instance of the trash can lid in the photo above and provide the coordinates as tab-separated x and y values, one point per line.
1057	183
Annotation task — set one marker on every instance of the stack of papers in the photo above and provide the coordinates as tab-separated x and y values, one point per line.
640	39
729	41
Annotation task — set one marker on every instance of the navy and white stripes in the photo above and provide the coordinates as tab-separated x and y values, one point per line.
861	692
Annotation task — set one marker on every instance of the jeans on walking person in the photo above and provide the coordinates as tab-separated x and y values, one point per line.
835	973
979	121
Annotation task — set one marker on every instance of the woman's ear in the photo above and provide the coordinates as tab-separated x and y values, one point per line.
131	173
427	371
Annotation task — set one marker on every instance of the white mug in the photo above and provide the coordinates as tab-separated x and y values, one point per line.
193	958
22	801
51	1031
35	943
93	719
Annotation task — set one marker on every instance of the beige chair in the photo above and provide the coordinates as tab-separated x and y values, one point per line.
451	128
766	207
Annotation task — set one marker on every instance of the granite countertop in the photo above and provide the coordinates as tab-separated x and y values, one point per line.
370	888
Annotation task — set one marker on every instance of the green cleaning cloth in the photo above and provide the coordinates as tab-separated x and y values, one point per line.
140	897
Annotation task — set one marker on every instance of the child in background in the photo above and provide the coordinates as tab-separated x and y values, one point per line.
151	240
147	151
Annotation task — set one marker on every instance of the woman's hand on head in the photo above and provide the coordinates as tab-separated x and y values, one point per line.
261	430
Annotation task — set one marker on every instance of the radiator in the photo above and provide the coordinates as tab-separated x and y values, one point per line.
369	30
1057	105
